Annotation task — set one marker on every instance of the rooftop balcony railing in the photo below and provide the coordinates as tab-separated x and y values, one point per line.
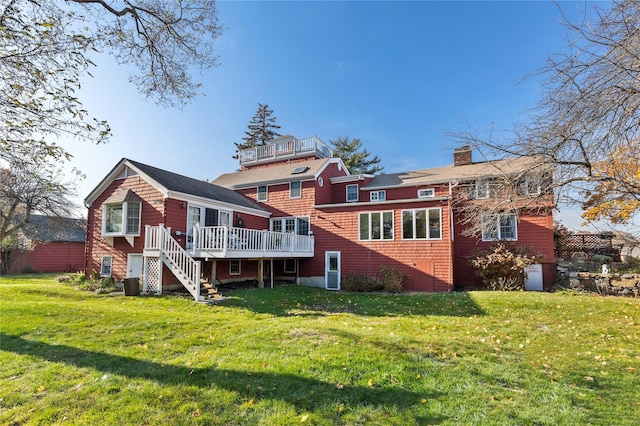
285	148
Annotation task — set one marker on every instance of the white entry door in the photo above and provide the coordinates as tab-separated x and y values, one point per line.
332	270
134	266
534	278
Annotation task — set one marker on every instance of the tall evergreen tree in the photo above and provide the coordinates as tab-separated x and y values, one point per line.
261	129
355	157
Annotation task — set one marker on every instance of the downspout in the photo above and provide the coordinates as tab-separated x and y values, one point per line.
86	240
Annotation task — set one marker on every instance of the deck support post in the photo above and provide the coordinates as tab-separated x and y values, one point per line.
260	273
271	270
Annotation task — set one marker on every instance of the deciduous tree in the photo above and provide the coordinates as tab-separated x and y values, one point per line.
26	188
587	122
46	49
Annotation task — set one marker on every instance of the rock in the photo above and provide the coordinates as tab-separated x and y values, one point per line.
626	292
575	283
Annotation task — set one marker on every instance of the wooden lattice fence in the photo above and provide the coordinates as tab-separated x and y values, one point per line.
570	246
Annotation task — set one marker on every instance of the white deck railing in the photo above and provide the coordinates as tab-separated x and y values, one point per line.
285	148
226	239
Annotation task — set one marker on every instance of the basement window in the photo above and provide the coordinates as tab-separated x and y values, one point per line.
234	267
105	266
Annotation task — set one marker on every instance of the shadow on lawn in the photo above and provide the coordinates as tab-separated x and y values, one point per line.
289	388
308	301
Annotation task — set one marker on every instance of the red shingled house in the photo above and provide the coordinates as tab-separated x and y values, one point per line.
294	212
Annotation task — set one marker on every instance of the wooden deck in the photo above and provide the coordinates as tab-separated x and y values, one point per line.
224	242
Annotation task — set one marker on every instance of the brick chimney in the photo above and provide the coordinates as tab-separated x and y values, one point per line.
462	156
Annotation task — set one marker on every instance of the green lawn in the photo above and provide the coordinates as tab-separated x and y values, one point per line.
297	355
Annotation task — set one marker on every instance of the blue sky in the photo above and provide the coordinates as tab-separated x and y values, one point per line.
397	75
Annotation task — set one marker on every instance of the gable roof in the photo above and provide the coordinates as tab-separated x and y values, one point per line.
173	185
451	173
59	229
277	173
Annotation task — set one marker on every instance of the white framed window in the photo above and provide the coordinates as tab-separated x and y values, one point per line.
224	218
426	193
378	195
481	189
295	189
530	185
320	182
290	266
376	226
352	193
422	224
121	219
298	225
234	267
262	193
105	266
500	227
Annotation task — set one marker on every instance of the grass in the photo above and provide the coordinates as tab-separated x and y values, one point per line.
297	355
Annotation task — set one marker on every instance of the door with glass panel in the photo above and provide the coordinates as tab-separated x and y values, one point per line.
332	270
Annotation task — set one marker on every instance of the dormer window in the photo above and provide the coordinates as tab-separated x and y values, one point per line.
295	189
529	185
482	189
262	193
426	193
352	193
378	196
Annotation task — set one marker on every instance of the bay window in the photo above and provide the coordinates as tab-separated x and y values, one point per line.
121	219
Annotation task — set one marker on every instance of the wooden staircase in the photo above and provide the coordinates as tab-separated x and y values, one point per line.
208	291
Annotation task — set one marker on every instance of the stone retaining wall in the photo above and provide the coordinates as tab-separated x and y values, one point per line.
609	284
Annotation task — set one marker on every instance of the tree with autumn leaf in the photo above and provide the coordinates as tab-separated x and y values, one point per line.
605	201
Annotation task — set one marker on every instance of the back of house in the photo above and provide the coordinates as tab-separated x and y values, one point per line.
294	212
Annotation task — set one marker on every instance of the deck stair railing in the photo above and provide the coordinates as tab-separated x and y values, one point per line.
177	259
